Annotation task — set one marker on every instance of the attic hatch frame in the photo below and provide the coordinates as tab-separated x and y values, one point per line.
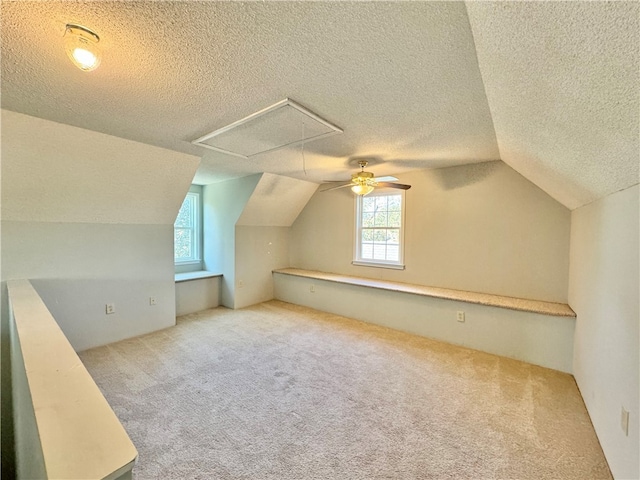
333	129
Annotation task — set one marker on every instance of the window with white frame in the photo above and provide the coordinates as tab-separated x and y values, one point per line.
380	229
187	231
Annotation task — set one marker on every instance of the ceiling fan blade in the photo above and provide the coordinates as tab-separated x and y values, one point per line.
334	187
385	179
393	185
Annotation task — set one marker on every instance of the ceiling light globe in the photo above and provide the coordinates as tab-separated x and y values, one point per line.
81	45
85	59
362	189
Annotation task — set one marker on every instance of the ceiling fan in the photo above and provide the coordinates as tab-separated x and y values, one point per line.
363	183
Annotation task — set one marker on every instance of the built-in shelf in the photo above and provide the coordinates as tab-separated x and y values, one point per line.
521	304
185	277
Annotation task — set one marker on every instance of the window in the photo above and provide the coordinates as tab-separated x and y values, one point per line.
379	229
187	231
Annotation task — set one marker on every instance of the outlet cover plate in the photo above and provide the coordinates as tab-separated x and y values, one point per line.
624	421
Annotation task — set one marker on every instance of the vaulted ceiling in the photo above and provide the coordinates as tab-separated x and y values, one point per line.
549	88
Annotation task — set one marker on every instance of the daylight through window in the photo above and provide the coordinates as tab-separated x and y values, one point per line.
186	231
379	227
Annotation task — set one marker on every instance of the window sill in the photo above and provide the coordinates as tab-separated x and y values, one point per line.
185	277
187	262
378	265
187	267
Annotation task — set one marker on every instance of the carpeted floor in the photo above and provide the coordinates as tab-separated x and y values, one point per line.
278	391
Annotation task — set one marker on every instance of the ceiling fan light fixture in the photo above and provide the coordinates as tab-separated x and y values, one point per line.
81	45
363	183
362	189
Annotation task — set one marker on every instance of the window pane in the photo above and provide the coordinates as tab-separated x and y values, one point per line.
185	214
367	235
381	202
394	219
367	219
368	204
379	236
395	203
379	252
182	242
393	253
393	236
367	251
381	219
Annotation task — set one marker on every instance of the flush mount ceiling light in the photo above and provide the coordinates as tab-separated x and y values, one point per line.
283	124
81	44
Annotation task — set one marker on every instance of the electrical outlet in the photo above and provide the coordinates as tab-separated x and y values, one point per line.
152	300
624	421
240	283
110	308
460	316
312	289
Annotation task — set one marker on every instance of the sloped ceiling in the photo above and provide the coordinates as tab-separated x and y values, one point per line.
276	201
563	84
53	172
405	80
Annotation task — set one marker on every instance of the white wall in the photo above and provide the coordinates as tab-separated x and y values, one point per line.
77	268
481	228
259	250
246	232
29	456
89	217
539	339
223	203
54	398
197	295
603	291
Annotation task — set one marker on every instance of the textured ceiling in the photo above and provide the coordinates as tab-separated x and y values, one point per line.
562	80
402	79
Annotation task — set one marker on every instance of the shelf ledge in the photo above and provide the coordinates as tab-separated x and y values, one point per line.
491	300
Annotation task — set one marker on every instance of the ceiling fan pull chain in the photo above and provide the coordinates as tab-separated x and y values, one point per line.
304	167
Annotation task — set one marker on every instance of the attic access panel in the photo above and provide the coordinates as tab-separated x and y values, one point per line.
281	125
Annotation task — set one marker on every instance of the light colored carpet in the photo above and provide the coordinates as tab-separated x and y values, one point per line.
278	391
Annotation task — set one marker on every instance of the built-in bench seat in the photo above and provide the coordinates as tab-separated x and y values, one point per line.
534	331
199	275
196	291
522	304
